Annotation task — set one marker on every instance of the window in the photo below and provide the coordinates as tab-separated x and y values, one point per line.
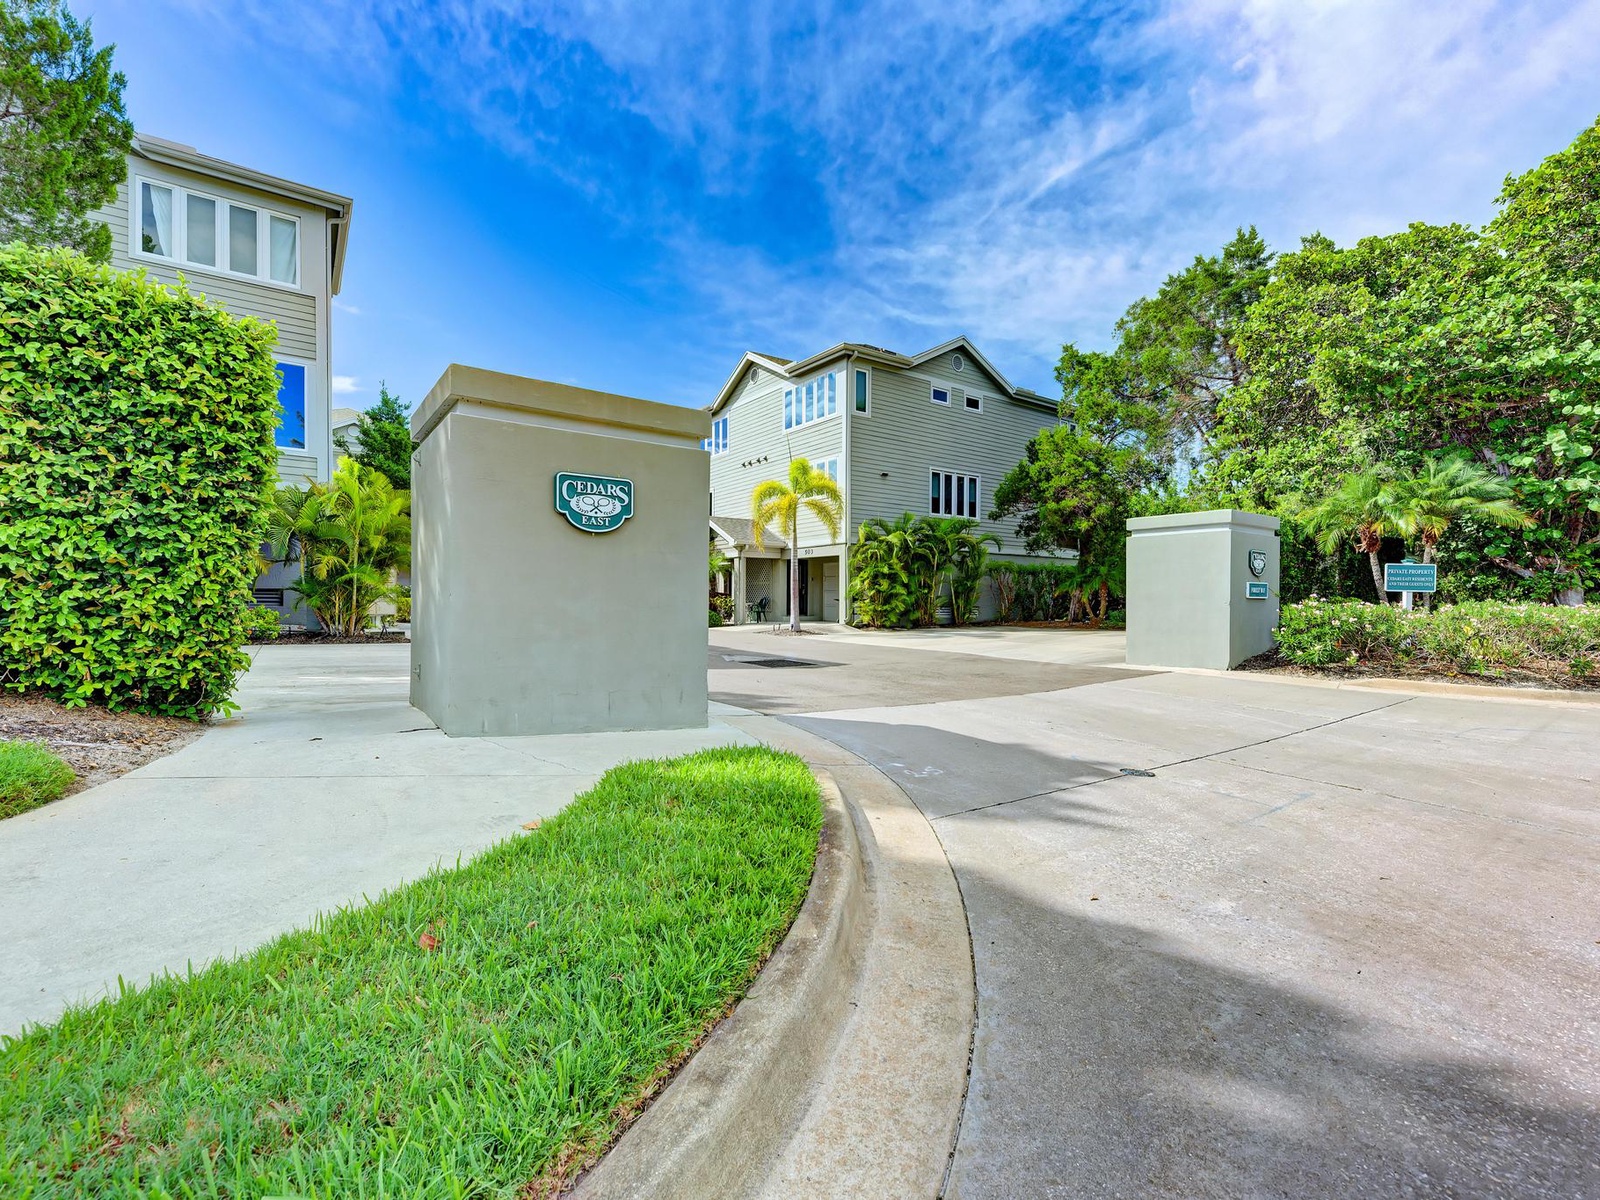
292	406
814	400
974	402
201	214
941	395
176	223
957	362
243	255
283	250
717	443
830	468
953	495
155	220
861	389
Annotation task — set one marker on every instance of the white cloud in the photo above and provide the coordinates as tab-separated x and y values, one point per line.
1012	169
346	308
346	385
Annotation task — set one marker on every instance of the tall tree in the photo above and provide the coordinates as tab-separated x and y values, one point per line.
776	503
64	133
383	439
1079	481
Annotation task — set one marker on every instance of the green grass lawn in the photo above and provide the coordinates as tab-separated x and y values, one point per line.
30	776
476	1033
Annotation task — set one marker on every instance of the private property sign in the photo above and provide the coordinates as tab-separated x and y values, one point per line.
1410	577
594	503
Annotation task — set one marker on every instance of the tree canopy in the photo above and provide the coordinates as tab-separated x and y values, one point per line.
383	439
64	134
1263	381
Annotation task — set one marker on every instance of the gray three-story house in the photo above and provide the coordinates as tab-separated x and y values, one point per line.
258	246
931	433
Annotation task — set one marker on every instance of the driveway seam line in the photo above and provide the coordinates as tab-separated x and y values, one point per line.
1072	787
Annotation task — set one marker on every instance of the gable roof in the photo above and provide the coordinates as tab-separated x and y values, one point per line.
794	369
741	532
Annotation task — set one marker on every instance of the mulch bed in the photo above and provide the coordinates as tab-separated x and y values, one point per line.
323	639
1557	677
97	744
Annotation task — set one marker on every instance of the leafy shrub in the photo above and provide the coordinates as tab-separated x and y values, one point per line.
30	776
263	624
1045	591
136	451
713	619
723	607
402	602
1480	638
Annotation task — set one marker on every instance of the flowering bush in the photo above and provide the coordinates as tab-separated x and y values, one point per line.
1479	638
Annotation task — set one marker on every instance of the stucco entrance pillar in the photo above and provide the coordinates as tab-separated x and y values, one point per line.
1202	588
558	558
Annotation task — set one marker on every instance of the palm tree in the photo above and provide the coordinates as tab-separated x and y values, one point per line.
777	503
960	560
888	571
349	535
1364	507
1448	488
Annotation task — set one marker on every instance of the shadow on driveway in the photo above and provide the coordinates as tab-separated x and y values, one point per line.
1112	1062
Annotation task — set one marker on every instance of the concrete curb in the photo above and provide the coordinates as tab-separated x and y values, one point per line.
843	1070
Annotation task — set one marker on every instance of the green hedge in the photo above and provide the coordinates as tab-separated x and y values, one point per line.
136	453
1480	638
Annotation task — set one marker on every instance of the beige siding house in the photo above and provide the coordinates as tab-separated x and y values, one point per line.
258	246
931	433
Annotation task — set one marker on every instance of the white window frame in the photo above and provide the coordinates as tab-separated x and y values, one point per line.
935	386
717	443
944	494
967	404
179	259
791	405
829	467
866	373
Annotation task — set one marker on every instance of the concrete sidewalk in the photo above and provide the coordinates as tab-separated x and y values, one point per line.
325	788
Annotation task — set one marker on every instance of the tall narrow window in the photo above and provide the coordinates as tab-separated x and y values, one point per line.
933	498
243	255
833	393
202	230
861	390
292	406
155	219
283	243
972	497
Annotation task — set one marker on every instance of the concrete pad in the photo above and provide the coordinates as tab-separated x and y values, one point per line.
1338	943
326	788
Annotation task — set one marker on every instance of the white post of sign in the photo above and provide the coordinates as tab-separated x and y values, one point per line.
1405	601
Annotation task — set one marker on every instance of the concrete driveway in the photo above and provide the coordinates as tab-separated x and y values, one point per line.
327	787
1326	942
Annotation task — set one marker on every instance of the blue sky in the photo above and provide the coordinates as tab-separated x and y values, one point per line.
627	196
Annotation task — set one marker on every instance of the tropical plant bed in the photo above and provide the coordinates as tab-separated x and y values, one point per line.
97	744
1517	645
484	1031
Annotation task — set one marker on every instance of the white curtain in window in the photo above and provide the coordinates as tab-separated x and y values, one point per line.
155	222
284	242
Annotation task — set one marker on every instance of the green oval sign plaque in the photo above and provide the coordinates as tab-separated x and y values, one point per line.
594	503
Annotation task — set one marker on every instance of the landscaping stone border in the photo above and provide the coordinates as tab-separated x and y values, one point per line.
843	1070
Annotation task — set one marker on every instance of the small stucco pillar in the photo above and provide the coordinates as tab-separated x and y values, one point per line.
558	559
1202	588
